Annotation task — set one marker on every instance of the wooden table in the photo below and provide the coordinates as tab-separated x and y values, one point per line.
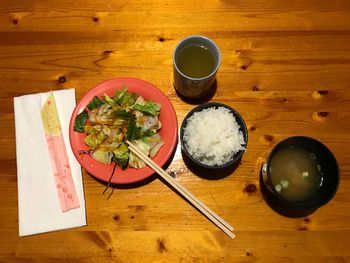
285	68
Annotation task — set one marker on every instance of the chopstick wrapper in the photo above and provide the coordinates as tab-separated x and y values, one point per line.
39	206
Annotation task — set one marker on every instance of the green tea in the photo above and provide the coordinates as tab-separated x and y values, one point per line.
195	61
296	173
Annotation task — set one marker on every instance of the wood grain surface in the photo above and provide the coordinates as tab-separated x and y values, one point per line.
285	68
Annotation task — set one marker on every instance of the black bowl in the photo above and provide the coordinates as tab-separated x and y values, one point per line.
330	168
200	168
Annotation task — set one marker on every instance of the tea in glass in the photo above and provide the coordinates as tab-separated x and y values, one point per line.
196	61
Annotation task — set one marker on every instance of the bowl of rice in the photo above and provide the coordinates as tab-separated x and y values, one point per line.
213	136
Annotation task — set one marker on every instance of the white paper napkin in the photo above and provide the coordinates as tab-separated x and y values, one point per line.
38	204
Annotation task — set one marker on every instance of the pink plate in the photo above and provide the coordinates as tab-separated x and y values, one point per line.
168	131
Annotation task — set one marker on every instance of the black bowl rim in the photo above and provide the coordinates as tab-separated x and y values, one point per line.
302	204
203	106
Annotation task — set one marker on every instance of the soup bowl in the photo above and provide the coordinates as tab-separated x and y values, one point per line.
326	161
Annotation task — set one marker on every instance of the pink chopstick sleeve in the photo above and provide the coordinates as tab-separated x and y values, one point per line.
61	170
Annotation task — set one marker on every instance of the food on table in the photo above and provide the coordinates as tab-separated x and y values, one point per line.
212	136
295	173
110	121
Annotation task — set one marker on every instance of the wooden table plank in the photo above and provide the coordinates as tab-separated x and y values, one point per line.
116	15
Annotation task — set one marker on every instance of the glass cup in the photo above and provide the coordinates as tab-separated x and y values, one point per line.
195	86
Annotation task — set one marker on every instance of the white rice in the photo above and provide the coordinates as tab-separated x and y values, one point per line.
213	136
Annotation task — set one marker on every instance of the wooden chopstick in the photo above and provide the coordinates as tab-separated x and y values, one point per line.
217	220
222	221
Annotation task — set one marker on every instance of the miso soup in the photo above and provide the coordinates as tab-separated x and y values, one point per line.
196	61
295	173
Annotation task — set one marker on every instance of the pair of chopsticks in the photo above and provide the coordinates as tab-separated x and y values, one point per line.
217	220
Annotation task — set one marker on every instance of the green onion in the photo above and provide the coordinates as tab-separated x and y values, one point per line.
284	183
278	188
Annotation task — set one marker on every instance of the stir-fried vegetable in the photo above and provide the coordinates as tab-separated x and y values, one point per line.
110	121
95	103
80	121
121	155
150	108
